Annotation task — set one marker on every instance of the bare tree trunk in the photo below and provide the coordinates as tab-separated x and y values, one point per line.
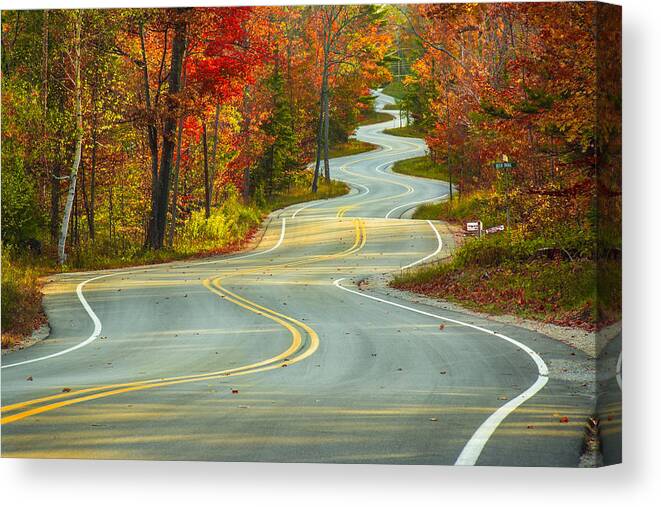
54	201
448	161
88	199
44	89
320	130
326	135
169	133
83	187
110	214
79	142
92	225
152	136
207	197
214	151
55	174
177	166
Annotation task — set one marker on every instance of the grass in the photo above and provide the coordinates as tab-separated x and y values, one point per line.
486	206
351	147
558	291
21	299
548	275
411	130
300	192
392	107
395	89
422	167
372	117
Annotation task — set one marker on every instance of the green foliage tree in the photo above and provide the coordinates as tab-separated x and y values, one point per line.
281	158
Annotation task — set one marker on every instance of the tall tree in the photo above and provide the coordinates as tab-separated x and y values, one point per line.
75	58
161	189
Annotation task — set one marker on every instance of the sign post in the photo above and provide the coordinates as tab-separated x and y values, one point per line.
506	165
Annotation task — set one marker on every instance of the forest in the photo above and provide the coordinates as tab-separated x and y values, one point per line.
136	135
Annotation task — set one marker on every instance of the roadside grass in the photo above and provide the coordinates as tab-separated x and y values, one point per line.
372	117
20	298
422	167
300	192
549	275
351	147
395	89
485	205
561	292
392	107
412	130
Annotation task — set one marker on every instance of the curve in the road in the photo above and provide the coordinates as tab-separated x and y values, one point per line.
304	340
293	354
473	448
95	319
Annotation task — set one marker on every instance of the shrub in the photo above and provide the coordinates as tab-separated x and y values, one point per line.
21	299
227	224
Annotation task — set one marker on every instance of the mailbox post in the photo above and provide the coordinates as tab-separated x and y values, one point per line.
474	228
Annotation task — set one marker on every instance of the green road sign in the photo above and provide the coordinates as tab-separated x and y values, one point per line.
505	165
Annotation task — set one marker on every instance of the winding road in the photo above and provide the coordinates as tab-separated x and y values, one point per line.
294	351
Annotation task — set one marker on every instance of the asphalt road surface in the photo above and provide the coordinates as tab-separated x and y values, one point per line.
282	354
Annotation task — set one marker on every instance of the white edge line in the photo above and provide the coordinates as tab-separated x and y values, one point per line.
97	323
473	448
322	201
435	252
280	240
95	334
310	205
414	202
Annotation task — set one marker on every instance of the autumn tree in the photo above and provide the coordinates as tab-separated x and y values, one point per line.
341	32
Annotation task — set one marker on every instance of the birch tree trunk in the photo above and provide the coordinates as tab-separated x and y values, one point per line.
79	142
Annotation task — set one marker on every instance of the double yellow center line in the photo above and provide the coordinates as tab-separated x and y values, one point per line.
298	350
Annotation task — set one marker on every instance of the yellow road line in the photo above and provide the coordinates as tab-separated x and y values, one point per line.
359	242
343	210
264	365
